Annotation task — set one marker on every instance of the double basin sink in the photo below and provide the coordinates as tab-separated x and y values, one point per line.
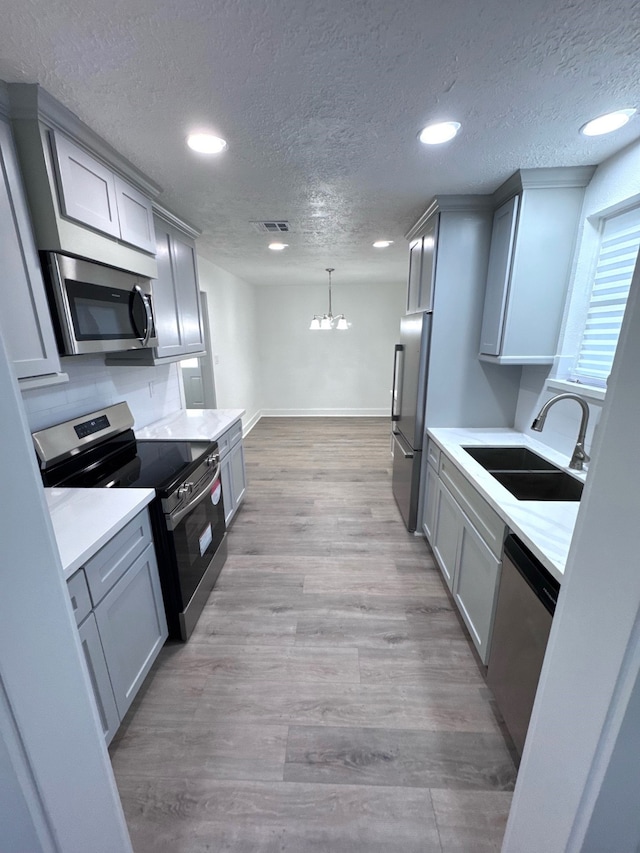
526	475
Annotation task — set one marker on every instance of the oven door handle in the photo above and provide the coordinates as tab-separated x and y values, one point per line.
174	519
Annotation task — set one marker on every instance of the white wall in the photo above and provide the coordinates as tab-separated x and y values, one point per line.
232	318
572	785
151	392
328	373
614	187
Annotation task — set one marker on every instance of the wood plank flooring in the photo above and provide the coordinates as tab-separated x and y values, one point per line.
329	700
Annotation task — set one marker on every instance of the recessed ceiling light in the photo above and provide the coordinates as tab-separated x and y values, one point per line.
607	123
382	244
434	134
277	247
206	143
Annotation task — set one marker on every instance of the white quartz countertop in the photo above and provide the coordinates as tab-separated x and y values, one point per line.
192	425
546	527
85	519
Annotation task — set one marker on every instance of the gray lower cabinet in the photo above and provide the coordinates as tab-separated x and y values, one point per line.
232	471
118	606
132	627
99	677
25	321
454	514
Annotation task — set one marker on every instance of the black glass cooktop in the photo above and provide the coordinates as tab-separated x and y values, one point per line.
123	462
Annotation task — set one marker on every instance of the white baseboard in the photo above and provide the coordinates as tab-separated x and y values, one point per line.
247	426
325	413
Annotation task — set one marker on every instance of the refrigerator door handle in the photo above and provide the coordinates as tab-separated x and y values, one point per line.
404	448
395	392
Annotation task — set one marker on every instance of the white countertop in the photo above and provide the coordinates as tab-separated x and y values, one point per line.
192	425
85	519
546	527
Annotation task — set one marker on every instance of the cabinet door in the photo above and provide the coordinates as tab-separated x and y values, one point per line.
237	475
428	268
24	319
165	297
228	496
415	271
86	187
475	588
132	627
498	275
448	526
188	292
135	216
430	503
99	677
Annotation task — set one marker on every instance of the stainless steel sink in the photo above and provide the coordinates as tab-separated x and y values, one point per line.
509	459
526	475
540	485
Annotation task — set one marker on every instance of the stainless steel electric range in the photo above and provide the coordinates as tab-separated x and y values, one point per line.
99	450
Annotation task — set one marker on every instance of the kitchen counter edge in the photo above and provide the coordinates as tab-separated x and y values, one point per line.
191	425
86	519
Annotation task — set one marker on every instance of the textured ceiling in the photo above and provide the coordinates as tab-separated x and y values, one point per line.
321	103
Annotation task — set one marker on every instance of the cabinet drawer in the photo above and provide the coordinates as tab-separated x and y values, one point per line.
79	595
433	454
229	438
486	521
112	561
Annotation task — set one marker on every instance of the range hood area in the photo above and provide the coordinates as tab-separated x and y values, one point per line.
86	200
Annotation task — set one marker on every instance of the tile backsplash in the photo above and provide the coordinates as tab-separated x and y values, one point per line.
151	392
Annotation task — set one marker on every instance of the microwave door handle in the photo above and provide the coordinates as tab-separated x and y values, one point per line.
146	333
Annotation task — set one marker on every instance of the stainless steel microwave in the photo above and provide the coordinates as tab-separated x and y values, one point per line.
97	308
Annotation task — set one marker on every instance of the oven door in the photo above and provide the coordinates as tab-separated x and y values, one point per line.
99	308
197	531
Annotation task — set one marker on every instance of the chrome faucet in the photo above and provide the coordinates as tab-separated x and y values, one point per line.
579	453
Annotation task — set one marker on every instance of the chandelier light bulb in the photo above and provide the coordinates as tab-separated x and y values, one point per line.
328	322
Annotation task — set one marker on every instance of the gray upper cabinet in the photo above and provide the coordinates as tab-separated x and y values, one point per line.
86	187
176	297
25	320
135	215
95	195
422	268
495	300
532	244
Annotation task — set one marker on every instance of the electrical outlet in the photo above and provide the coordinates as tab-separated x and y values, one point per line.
216	359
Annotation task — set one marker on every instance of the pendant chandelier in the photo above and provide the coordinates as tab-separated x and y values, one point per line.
328	321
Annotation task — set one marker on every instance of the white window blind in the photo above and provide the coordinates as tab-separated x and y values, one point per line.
614	270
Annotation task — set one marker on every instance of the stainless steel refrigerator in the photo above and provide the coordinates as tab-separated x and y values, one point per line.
410	372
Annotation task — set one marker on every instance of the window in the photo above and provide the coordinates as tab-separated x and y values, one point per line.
619	244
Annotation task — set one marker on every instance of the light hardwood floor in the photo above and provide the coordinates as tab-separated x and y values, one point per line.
329	699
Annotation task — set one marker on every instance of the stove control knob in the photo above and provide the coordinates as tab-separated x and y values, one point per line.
185	489
212	459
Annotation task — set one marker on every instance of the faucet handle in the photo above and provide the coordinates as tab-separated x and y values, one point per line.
579	456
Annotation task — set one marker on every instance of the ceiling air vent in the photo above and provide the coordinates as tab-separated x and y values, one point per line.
272	226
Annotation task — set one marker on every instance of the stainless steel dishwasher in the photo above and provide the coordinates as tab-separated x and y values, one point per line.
526	602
